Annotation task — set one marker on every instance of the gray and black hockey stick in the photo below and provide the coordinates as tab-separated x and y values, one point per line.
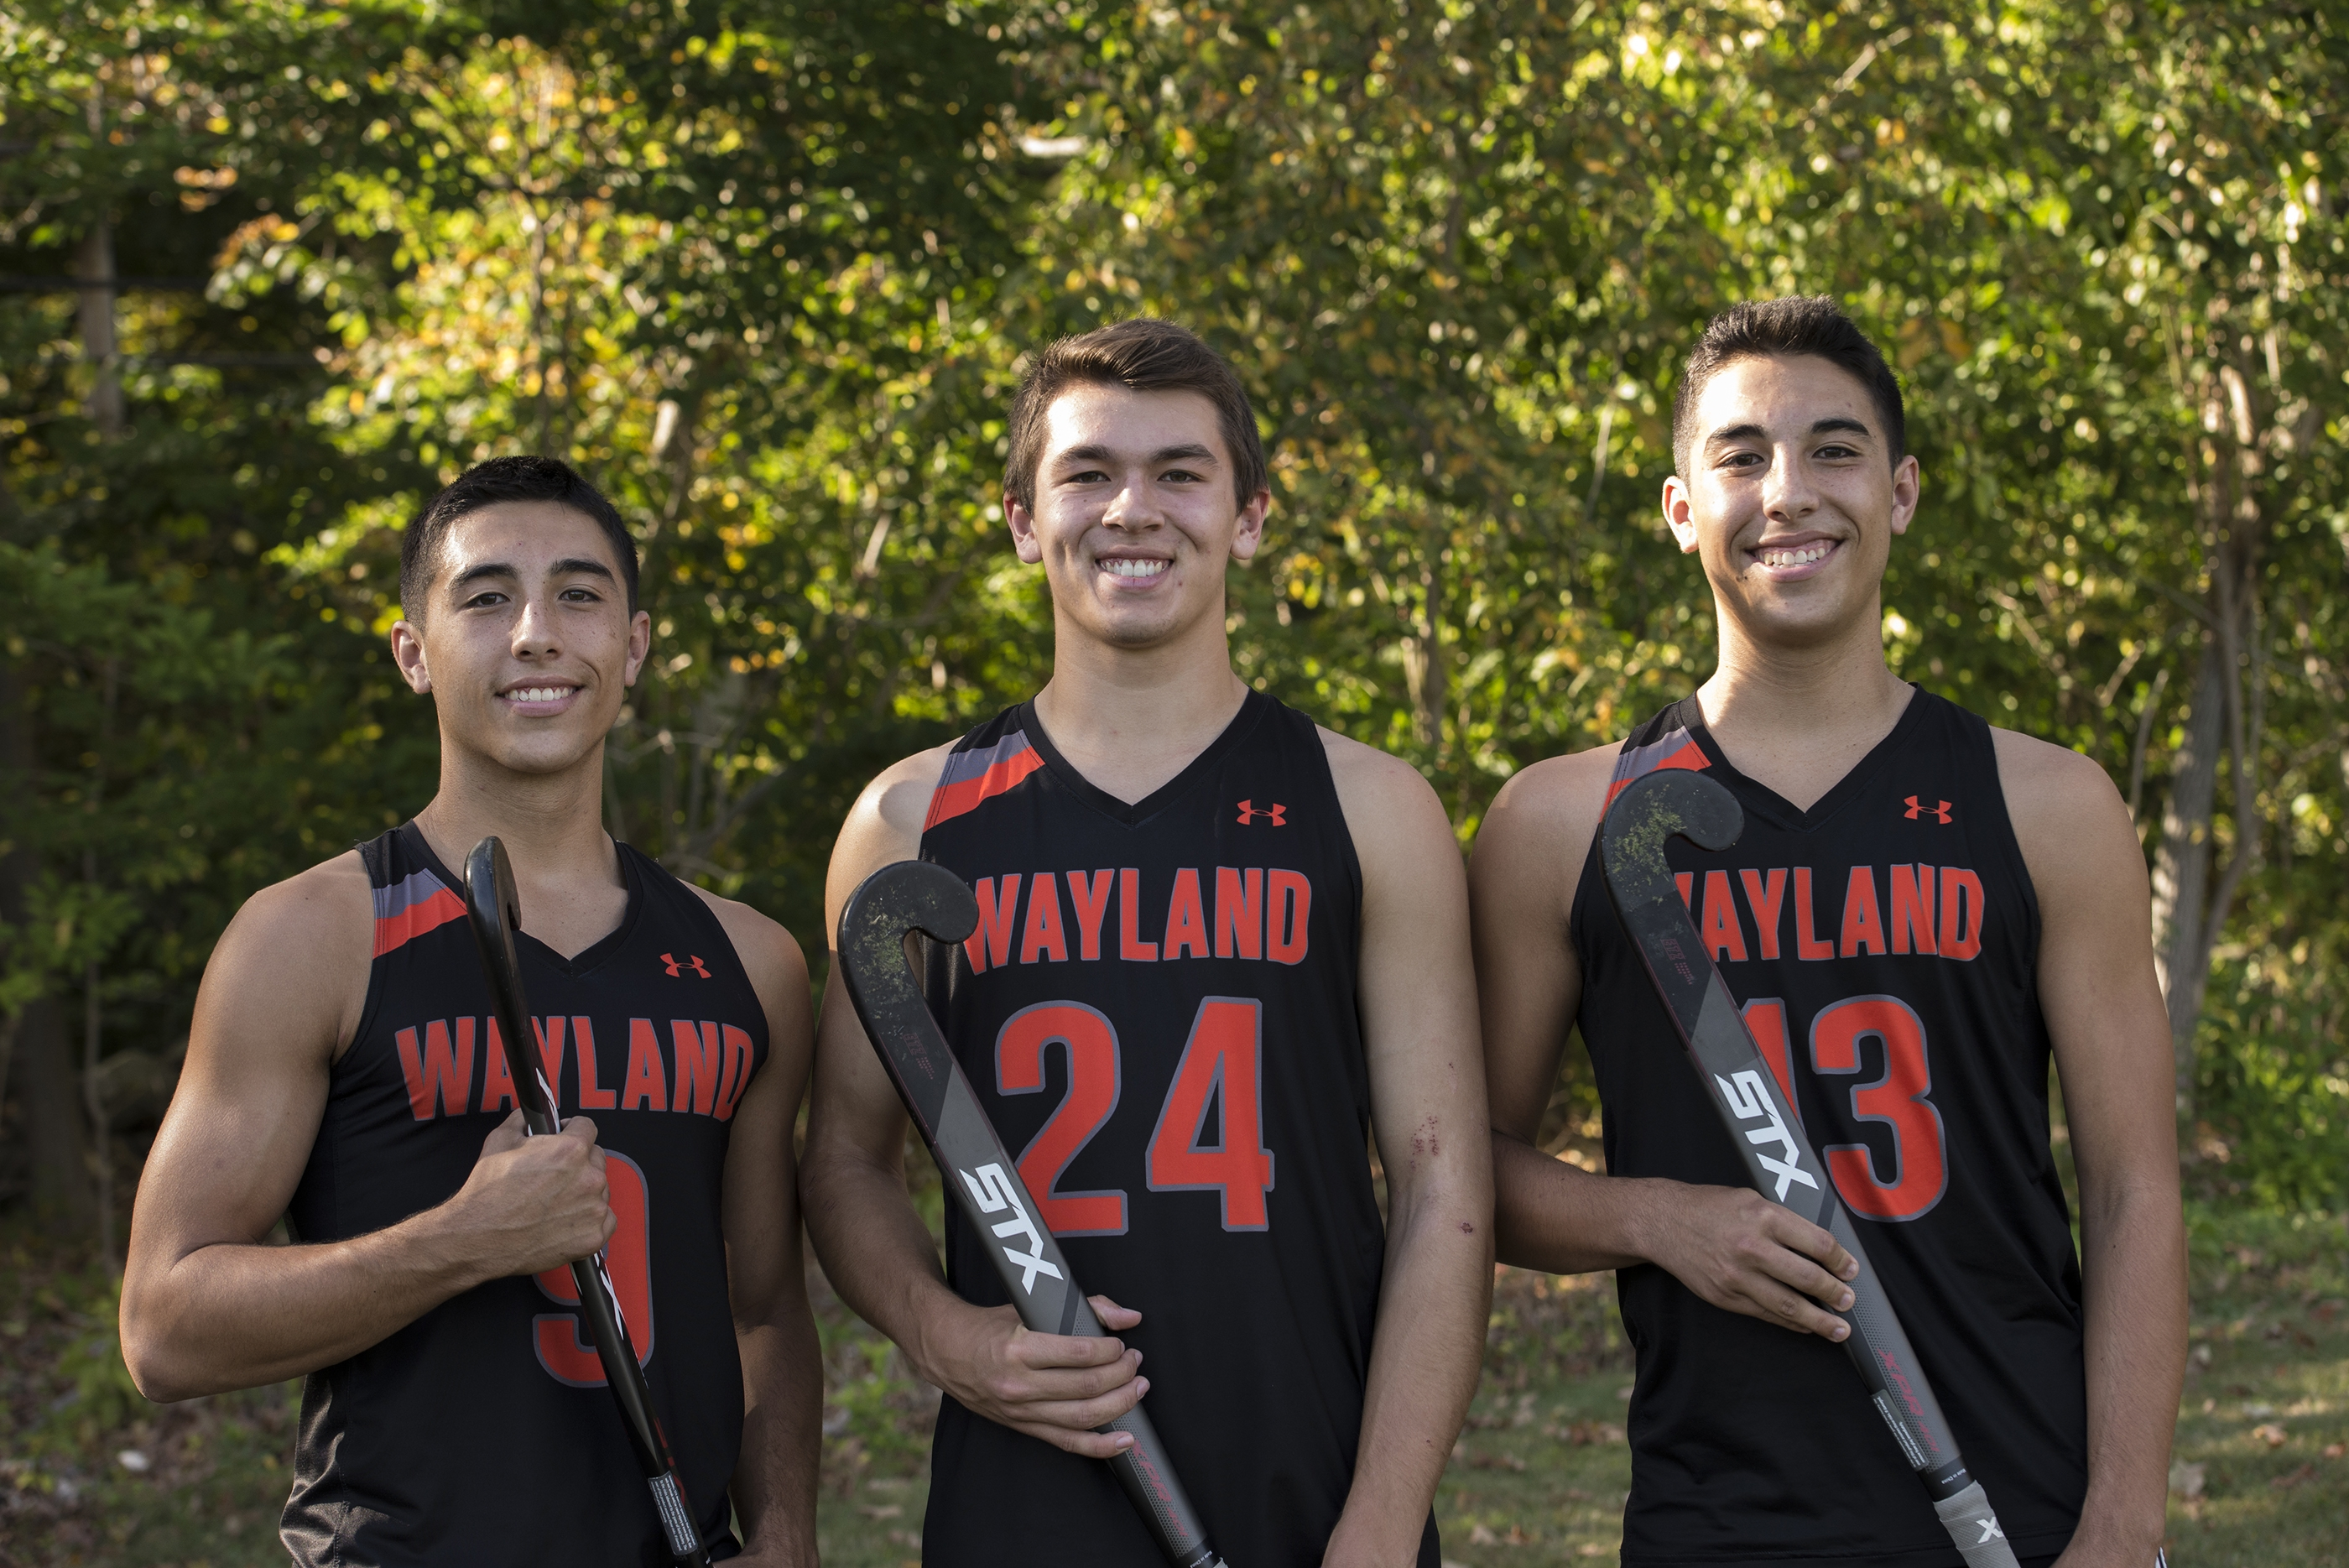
915	896
496	912
1779	1159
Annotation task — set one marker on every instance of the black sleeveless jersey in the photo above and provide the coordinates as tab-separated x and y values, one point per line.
1158	1011
1883	946
483	1432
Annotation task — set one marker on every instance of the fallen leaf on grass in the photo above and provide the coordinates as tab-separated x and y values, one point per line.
2335	1450
880	1510
1496	1462
2284	1483
1480	1536
2185	1479
2272	1435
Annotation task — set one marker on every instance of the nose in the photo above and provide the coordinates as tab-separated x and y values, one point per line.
533	631
1787	494
1129	505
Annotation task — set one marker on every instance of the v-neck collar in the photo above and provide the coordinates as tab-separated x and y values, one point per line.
1782	812
1253	707
586	958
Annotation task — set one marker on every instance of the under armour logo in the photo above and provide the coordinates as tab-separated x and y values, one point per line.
677	967
1248	813
1939	813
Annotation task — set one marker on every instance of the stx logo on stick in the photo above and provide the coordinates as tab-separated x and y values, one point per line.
991	1190
1747	1099
1277	815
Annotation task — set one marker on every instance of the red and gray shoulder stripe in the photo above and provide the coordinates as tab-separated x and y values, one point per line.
1676	748
976	775
407	908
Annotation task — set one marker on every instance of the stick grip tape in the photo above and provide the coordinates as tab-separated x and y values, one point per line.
1973	1528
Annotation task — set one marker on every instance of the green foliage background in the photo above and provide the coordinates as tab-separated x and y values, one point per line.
767	269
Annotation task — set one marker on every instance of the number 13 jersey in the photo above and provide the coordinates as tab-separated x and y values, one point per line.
1884	949
1158	1014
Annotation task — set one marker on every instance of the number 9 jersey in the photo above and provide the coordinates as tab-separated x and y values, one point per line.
1158	1012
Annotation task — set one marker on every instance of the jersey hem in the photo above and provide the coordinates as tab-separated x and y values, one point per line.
2039	1544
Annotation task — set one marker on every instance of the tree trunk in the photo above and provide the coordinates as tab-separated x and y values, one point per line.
2182	869
41	1073
94	270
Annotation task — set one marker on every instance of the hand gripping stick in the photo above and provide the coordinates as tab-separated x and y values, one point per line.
1779	1159
915	896
496	914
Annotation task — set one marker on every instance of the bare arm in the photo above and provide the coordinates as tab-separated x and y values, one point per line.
783	1372
1730	1245
1427	1108
2111	1035
206	1304
876	1250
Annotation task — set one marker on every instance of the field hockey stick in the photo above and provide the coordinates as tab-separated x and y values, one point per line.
1779	1159
915	896
496	914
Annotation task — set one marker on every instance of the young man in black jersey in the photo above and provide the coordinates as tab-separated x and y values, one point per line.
1217	945
343	1071
1919	911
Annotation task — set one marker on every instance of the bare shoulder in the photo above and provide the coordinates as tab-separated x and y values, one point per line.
327	915
328	911
883	826
770	954
1372	784
1541	823
2062	804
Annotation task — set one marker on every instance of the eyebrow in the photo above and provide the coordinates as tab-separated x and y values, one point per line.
1750	430
568	566
1187	451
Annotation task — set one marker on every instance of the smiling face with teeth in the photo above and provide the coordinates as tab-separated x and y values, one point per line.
1135	518
526	643
1791	500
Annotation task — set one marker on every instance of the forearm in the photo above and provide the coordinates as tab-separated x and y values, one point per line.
238	1315
877	1254
783	1401
2134	1279
1562	1219
1426	1354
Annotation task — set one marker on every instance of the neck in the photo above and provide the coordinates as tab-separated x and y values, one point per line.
1131	719
552	824
1796	710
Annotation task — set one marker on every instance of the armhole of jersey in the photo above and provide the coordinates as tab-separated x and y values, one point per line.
646	868
1982	742
922	839
1345	829
375	857
1589	882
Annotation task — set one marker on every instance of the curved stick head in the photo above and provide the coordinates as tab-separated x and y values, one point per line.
905	895
1656	807
495	911
490	895
909	896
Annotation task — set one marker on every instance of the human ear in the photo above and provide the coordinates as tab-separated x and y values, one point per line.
1908	484
1680	516
640	643
407	652
1024	541
1249	538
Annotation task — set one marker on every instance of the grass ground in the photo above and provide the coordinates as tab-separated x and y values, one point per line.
90	1474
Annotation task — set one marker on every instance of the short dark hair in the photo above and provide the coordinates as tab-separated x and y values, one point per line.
487	484
1810	324
1144	355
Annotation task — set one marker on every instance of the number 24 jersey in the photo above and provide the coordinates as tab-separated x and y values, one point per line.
1158	1014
